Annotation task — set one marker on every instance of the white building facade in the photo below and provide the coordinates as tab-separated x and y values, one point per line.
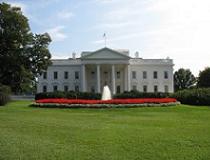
115	68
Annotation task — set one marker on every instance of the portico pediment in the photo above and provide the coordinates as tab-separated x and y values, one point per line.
105	53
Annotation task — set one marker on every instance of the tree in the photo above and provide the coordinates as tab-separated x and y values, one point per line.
23	55
204	78
183	79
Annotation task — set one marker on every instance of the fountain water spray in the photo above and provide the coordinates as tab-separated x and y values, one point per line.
106	94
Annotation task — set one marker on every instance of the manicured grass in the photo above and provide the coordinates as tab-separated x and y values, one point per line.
158	133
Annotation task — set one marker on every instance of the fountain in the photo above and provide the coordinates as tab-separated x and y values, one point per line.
106	94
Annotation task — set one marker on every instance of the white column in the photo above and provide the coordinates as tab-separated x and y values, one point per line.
126	78
83	79
129	77
113	80
98	79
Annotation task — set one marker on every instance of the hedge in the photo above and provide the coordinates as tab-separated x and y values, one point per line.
69	95
137	94
198	96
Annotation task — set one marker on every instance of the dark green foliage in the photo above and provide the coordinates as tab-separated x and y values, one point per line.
4	94
204	78
183	79
70	95
23	55
4	98
200	96
137	94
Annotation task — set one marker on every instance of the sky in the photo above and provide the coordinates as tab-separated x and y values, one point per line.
178	29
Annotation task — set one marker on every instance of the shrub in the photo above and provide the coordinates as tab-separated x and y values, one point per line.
137	94
200	96
69	95
4	94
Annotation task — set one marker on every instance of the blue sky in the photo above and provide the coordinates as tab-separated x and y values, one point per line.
179	29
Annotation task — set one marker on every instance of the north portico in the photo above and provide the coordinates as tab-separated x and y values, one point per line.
115	68
105	67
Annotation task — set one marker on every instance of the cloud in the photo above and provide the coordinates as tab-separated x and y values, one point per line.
65	15
57	34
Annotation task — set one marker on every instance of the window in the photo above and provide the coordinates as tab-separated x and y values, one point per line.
145	88
165	74
134	87
166	88
55	75
66	88
118	89
44	88
155	74
144	75
66	75
44	75
93	89
76	87
55	88
76	75
105	74
93	74
134	74
118	75
155	88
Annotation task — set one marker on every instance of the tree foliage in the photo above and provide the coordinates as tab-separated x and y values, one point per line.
183	79
204	78
23	55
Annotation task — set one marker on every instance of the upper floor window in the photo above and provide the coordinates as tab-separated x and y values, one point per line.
76	75
118	74
44	75
133	74
165	74
155	88
55	75
155	74
66	75
144	75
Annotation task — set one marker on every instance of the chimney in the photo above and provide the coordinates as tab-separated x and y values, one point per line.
74	55
137	54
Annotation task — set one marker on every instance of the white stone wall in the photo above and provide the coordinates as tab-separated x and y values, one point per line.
136	64
61	81
150	81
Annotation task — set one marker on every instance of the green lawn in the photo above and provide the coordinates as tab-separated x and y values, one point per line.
175	133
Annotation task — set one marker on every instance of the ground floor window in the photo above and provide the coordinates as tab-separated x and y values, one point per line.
145	88
134	87
118	89
55	88
66	88
44	88
93	89
166	88
155	88
76	87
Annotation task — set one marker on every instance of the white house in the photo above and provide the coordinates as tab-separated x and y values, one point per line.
115	68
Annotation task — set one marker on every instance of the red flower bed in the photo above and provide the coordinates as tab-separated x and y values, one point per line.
112	101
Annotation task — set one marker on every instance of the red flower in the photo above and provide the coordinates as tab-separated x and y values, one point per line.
112	101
